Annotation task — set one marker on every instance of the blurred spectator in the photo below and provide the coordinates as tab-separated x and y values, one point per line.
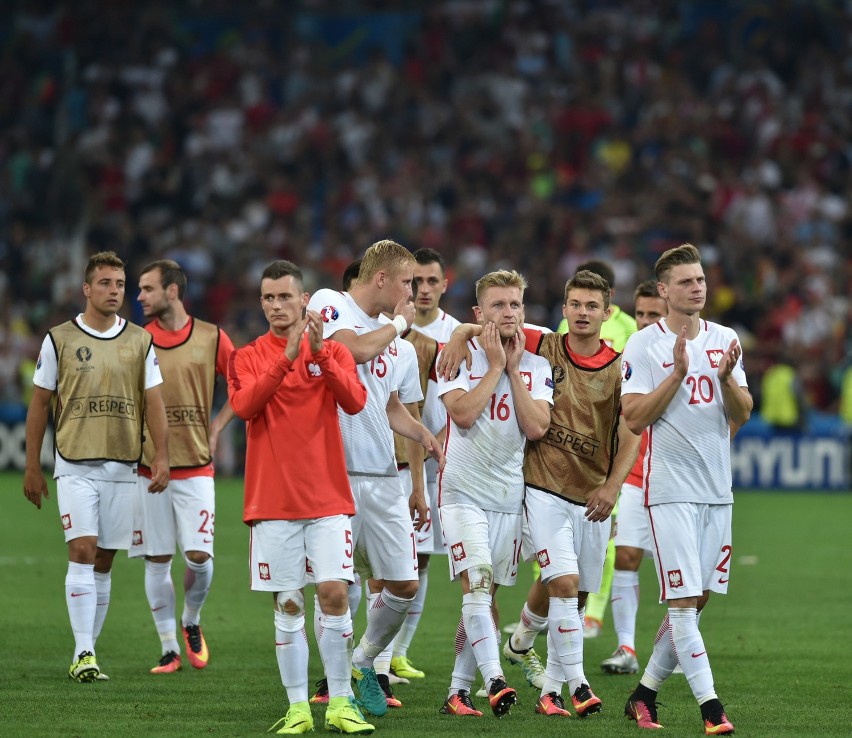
781	402
530	135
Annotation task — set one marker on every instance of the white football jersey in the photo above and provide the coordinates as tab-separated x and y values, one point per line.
485	462
441	328
409	374
434	412
689	446
367	436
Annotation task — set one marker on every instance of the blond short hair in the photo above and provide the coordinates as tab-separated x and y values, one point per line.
500	278
387	256
102	259
587	280
686	253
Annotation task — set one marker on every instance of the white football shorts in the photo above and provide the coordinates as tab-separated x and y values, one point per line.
692	548
96	507
564	541
385	541
182	515
430	538
287	554
476	536
439	541
631	526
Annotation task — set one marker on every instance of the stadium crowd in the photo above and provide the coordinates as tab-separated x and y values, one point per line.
528	135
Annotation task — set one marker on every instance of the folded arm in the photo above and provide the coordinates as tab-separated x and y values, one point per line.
341	377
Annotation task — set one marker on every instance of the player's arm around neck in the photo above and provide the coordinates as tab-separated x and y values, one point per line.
455	351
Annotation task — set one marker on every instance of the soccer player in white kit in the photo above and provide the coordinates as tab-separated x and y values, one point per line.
683	379
382	527
632	536
410	476
430	282
411	480
494	406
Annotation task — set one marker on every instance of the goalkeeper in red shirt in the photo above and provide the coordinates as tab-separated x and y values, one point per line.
287	385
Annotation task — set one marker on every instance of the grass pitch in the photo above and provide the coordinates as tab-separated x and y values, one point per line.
778	643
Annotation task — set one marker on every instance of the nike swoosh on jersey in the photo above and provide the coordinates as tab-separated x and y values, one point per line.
666	366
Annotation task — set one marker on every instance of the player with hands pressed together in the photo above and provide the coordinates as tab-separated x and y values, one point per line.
289	385
494	408
572	476
632	534
683	379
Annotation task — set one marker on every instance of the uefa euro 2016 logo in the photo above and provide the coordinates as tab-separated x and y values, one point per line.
84	353
329	314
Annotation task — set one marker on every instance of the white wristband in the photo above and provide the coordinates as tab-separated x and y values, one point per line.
401	324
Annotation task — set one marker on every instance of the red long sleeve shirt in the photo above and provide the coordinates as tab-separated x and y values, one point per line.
295	468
